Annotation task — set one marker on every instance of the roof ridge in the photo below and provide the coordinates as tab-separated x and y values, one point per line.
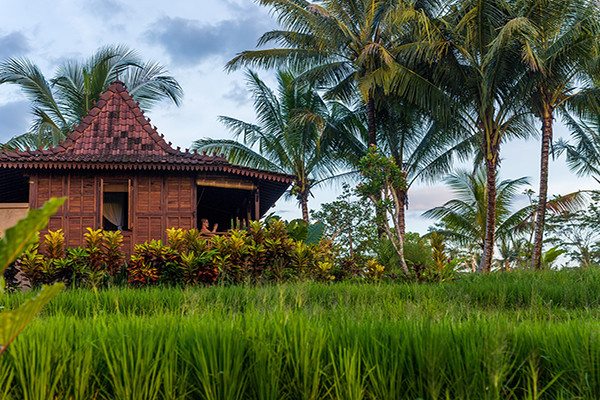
115	130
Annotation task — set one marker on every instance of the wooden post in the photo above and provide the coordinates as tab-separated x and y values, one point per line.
248	208
256	204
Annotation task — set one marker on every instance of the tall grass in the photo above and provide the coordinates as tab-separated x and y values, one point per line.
509	336
553	295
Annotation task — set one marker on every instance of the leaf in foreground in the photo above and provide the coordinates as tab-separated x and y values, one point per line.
25	232
14	321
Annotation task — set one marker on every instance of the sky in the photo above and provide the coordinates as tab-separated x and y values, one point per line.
194	40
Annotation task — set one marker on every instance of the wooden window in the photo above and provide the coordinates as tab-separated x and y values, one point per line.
116	204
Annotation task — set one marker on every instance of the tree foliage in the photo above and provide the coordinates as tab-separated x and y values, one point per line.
294	134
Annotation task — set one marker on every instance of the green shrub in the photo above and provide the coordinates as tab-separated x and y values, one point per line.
92	266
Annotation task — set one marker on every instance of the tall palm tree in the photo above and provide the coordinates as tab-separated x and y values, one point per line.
482	81
294	135
557	39
347	46
464	219
59	104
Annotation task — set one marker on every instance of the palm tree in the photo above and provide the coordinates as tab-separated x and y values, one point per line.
481	78
557	39
60	103
583	157
347	46
294	135
464	219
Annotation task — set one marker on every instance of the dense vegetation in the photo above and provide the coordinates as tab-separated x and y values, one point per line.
269	252
397	91
514	335
420	84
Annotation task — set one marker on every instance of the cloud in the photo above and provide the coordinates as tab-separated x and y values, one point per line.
13	44
238	95
14	119
424	198
103	9
190	41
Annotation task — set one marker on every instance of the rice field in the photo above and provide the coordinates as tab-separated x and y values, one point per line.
517	335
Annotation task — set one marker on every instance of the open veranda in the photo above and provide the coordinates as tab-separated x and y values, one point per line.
500	336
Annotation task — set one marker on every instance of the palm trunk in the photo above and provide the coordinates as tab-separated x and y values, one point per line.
540	220
304	204
371	119
490	225
372	138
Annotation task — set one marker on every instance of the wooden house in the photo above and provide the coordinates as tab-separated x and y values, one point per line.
119	173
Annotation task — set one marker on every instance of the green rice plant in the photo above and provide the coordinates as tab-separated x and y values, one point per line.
384	355
298	341
133	355
305	347
38	370
349	374
266	360
217	359
174	372
6	378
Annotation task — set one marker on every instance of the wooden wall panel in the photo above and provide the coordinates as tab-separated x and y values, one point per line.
179	194
76	228
43	190
55	223
148	228
182	222
158	202
80	211
148	194
142	194
75	196
51	186
91	197
84	192
181	202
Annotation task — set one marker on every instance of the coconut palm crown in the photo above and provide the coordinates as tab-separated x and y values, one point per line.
294	134
464	218
346	46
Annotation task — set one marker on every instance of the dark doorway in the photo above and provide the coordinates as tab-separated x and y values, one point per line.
223	206
14	186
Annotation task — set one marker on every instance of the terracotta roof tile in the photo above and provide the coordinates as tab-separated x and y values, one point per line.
115	134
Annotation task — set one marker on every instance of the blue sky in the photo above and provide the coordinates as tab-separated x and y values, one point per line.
195	39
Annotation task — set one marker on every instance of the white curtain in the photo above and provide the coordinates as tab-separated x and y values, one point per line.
115	213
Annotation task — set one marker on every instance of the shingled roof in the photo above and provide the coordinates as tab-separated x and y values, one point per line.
116	135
